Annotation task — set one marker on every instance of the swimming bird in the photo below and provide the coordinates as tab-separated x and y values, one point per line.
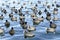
4	11
22	17
13	18
45	10
12	32
48	6
52	25
7	23
39	12
33	16
55	19
24	25
1	17
55	11
31	28
57	5
28	34
41	19
50	30
11	14
1	31
36	21
48	17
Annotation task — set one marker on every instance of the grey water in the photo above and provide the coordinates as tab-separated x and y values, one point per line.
40	33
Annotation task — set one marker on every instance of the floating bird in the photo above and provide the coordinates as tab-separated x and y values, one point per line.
45	10
55	11
57	5
11	14
12	32
55	19
16	11
19	10
50	30
48	14
22	20
48	17
41	19
22	17
39	12
1	17
24	25
36	21
7	23
48	6
13	9
53	25
31	28
1	31
20	14
33	16
13	18
28	35
4	11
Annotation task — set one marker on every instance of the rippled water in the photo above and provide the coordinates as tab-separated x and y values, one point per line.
40	33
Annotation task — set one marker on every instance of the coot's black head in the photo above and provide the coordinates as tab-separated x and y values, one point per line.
12	28
23	15
45	10
25	22
1	14
52	4
20	19
21	6
42	17
48	14
33	19
36	5
6	20
50	22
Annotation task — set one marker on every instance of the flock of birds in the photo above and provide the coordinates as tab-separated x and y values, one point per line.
35	19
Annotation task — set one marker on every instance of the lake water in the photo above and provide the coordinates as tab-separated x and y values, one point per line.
40	33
